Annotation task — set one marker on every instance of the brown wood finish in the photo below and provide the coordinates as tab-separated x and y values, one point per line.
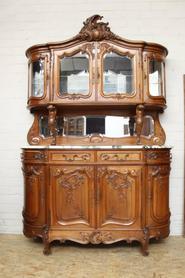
96	195
158	138
96	46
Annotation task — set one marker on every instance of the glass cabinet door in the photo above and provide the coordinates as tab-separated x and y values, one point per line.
118	74
36	78
156	78
74	75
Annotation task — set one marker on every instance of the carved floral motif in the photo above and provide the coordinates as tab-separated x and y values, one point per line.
118	180
96	237
159	172
71	180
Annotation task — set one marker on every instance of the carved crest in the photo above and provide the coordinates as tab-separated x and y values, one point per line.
94	30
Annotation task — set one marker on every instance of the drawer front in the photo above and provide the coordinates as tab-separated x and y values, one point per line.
72	157
34	155
119	156
158	156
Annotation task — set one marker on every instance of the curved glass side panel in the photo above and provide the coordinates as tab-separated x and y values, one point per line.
118	74
156	78
74	74
36	78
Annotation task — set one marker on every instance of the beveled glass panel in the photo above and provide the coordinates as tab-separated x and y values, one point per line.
156	77
109	126
118	74
44	128
37	78
74	74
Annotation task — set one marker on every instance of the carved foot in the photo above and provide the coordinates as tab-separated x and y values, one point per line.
144	249
47	249
144	242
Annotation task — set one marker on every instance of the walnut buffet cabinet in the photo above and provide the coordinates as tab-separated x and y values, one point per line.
97	170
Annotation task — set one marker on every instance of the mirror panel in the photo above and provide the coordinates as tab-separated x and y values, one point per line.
109	126
74	75
36	70
156	77
118	74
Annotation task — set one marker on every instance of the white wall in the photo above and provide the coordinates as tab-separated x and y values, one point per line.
24	23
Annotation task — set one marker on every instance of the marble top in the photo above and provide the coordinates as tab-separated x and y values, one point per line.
97	147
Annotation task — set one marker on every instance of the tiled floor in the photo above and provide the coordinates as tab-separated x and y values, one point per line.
21	257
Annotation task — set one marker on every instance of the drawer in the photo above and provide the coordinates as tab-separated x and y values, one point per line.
34	155
72	157
119	156
158	156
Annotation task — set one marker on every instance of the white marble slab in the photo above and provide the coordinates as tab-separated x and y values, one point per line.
97	147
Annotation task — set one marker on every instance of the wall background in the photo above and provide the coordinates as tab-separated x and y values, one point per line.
24	23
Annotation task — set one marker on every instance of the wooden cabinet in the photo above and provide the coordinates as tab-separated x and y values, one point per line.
97	170
119	197
97	196
34	195
72	192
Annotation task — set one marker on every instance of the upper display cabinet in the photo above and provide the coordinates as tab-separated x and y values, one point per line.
97	67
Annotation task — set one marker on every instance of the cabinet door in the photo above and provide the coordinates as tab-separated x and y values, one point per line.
119	196
34	194
72	196
158	195
73	74
118	77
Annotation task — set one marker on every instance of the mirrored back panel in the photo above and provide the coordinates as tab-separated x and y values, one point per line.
109	126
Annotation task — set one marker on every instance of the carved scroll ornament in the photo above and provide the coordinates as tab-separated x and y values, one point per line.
94	30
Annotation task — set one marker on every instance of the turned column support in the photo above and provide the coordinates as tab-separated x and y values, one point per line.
52	122
139	121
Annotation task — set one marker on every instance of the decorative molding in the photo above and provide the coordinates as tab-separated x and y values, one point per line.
77	157
31	170
40	156
152	155
119	156
159	171
93	30
45	236
71	180
96	138
139	121
118	180
52	123
96	237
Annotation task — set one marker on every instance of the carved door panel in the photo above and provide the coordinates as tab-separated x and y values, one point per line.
34	194
158	194
119	196
118	79
72	196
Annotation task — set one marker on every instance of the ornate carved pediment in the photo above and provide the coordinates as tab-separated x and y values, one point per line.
94	30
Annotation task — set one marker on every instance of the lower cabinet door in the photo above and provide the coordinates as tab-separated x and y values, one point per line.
158	195
72	196
119	197
34	194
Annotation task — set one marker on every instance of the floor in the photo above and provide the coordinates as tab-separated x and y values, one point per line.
22	258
